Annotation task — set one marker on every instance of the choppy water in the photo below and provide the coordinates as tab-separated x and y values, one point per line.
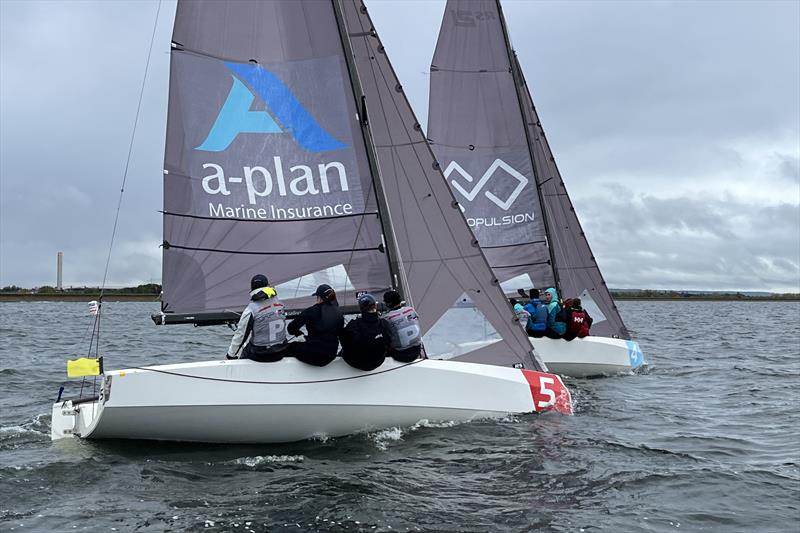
707	441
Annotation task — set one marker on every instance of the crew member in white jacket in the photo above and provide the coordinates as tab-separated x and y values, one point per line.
261	332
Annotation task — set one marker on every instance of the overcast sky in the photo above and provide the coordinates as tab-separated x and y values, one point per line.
676	126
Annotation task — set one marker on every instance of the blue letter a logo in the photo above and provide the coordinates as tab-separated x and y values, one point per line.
235	117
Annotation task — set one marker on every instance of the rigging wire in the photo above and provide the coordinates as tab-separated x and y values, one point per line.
130	151
95	339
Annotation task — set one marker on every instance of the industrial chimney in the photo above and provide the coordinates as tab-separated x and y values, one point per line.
59	277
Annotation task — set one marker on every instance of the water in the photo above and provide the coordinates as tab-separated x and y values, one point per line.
707	441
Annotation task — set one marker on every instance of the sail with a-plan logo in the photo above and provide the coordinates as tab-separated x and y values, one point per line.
266	169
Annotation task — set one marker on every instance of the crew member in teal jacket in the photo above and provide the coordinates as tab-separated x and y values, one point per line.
555	328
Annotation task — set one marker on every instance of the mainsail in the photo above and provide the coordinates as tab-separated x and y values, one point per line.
292	151
266	169
484	129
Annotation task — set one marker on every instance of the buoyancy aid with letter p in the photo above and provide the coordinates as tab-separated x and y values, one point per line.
405	328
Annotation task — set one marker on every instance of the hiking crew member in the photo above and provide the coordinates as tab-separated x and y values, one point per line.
365	339
324	322
523	316
578	321
262	327
406	341
538	321
555	328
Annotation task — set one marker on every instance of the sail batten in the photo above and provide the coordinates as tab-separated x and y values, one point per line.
481	109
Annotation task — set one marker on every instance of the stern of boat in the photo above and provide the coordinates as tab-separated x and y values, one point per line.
77	417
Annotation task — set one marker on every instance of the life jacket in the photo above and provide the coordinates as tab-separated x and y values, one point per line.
522	315
405	328
578	323
269	322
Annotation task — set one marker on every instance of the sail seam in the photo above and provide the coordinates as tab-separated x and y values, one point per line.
514	244
168	245
523	265
202	217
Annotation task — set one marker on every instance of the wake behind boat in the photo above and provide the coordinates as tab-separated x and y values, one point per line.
305	112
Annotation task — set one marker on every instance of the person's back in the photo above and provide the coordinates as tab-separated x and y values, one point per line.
579	321
406	335
555	328
261	332
522	314
365	339
324	323
538	314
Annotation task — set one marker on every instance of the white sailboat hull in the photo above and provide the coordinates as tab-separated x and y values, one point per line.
579	358
589	356
249	402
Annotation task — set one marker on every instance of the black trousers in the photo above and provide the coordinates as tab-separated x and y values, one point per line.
361	360
407	355
264	354
311	353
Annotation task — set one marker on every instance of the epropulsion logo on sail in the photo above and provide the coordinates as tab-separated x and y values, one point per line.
235	117
480	185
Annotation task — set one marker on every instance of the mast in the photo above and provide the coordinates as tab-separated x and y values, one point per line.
390	249
518	86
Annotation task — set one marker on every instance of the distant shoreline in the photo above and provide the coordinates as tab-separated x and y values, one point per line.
64	297
712	298
86	297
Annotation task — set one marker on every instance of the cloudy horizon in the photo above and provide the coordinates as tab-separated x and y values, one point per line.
676	127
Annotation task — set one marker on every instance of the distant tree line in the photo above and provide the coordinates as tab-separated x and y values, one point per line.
147	288
650	294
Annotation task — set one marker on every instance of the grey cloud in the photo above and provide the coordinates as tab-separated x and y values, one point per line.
789	168
693	242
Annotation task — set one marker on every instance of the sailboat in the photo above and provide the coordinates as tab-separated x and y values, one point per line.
486	133
291	150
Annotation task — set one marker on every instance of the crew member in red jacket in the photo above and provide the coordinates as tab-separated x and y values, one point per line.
578	321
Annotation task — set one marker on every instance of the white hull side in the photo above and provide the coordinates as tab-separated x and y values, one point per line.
579	358
589	356
230	402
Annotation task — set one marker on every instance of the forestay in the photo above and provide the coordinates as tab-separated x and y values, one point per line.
440	258
265	166
485	130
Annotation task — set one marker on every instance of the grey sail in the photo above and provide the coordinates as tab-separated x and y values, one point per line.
265	167
440	258
476	85
477	131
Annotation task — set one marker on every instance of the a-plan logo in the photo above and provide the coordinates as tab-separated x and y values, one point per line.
481	183
283	114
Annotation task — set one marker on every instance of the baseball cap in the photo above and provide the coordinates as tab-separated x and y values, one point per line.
322	290
365	301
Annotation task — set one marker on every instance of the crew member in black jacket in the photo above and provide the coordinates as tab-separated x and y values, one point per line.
324	323
365	339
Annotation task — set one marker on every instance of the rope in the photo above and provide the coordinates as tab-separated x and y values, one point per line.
130	151
206	378
95	338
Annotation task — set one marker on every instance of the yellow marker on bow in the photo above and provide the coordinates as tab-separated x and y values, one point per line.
84	366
